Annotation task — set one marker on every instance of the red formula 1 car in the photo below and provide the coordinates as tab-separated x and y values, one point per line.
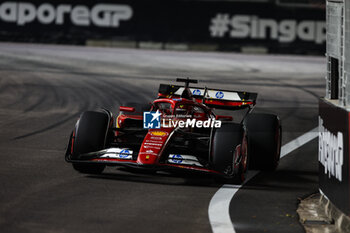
179	130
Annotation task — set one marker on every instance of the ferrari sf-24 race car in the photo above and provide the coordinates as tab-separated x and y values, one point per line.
179	131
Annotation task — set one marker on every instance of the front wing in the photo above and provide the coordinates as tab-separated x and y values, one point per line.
118	157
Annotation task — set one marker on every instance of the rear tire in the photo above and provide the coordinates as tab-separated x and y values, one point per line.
90	135
264	141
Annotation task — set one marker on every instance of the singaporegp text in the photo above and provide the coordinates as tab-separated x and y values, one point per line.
100	15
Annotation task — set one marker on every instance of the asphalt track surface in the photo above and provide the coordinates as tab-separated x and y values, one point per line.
44	88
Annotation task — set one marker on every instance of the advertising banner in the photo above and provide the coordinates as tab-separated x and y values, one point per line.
230	25
333	154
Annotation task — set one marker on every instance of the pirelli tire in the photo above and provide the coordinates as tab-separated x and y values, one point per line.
225	141
264	133
90	135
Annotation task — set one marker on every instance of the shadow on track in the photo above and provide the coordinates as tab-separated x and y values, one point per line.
174	179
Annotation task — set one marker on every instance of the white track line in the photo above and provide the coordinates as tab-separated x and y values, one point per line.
298	142
219	215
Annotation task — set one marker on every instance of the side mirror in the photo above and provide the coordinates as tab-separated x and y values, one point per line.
126	109
225	118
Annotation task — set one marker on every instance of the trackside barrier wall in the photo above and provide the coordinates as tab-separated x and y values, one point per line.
334	115
221	25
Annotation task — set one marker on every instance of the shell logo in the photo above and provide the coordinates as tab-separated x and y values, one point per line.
159	133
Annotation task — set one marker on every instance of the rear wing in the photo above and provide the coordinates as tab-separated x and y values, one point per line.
215	98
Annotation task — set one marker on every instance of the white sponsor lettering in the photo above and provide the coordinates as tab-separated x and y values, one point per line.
153	147
331	152
184	159
212	94
116	153
100	15
152	144
251	26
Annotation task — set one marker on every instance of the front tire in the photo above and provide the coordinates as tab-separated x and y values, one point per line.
90	135
226	152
